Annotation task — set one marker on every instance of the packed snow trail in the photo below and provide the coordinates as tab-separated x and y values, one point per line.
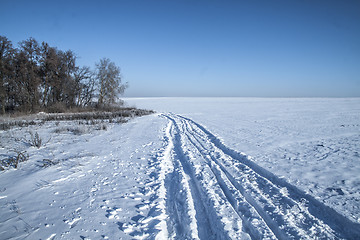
213	192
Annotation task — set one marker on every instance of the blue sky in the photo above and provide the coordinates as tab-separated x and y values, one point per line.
205	48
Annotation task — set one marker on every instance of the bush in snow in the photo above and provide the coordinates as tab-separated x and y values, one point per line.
102	126
47	163
75	130
35	140
13	161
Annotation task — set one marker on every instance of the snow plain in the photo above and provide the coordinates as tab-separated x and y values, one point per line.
201	168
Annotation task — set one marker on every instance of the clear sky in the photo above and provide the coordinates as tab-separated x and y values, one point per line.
287	48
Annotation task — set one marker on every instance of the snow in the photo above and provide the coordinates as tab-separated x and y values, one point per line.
201	168
313	143
101	188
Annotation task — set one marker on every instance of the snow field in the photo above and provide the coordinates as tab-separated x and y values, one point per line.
104	187
268	206
182	176
312	143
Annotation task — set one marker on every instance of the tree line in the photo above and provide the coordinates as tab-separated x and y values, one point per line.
38	77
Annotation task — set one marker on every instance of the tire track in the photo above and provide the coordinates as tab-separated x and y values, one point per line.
255	198
240	201
187	215
264	205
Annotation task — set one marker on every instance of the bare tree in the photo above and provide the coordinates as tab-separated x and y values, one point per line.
85	86
57	71
39	77
109	81
6	57
28	79
49	73
66	86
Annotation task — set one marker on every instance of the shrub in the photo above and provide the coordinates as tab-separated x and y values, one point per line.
13	161
102	126
57	107
75	130
35	140
47	163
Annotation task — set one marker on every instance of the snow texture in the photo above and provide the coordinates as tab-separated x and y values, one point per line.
186	173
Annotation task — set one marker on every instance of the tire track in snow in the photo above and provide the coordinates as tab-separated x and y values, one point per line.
193	212
239	202
263	204
186	211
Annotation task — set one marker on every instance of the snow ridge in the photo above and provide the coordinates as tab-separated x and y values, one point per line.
214	192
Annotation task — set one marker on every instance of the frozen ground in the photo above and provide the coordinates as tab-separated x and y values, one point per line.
186	173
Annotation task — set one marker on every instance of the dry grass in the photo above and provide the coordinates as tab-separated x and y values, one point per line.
13	160
117	115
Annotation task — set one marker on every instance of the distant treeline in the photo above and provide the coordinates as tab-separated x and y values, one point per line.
37	77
